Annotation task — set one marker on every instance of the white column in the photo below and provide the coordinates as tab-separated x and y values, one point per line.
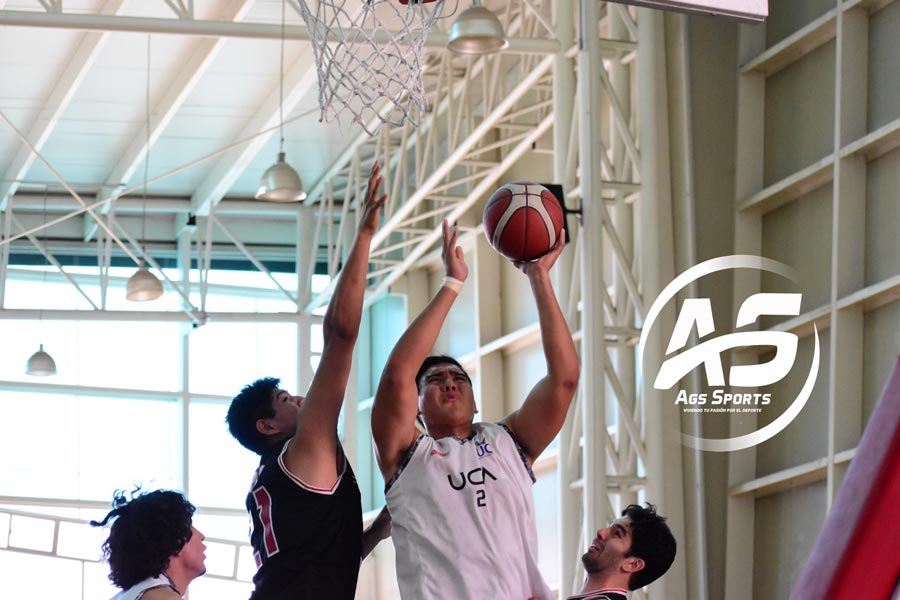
593	350
664	451
563	101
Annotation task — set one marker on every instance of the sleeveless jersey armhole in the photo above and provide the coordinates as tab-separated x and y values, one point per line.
310	488
520	450
406	458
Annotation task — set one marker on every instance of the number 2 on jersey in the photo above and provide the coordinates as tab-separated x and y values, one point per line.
481	501
264	505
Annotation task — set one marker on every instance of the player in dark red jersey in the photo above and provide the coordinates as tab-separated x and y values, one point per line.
304	501
634	551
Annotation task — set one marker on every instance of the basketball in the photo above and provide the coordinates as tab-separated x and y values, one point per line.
522	220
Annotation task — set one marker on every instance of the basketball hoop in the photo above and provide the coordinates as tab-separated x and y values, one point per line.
369	57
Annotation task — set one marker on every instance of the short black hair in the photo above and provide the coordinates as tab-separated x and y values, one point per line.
147	530
438	359
651	541
253	403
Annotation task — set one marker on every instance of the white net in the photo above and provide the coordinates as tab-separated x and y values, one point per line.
369	55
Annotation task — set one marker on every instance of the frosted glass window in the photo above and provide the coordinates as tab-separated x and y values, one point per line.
95	353
220	468
4	530
246	564
316	339
210	588
226	527
219	559
227	356
78	540
110	443
96	582
40	577
31	533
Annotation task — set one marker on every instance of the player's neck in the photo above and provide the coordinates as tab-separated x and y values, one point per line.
179	578
462	431
599	581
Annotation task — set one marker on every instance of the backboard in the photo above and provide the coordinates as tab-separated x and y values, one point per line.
742	10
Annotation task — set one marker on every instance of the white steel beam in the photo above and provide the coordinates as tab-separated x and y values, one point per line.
195	27
56	104
477	193
28	314
299	79
459	153
569	507
593	350
189	73
664	466
396	221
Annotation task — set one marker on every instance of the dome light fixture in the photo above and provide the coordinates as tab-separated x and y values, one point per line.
40	364
143	285
477	30
280	182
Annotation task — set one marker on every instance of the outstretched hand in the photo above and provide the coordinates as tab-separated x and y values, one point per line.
452	255
369	221
545	262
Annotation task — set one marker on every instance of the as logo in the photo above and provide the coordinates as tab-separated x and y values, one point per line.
697	313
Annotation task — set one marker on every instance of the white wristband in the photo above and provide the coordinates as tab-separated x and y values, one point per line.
453	283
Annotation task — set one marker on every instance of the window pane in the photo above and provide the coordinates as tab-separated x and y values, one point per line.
112	354
39	577
316	339
220	468
109	444
225	527
227	356
97	583
79	540
210	588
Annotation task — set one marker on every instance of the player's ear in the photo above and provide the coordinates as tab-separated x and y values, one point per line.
632	564
264	426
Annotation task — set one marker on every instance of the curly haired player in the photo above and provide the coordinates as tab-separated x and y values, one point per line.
153	549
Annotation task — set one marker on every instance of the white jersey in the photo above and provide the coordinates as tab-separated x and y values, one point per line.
137	590
462	519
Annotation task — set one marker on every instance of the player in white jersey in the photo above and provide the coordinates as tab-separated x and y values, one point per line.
459	496
153	550
632	552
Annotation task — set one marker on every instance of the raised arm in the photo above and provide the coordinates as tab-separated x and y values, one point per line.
312	451
397	399
542	414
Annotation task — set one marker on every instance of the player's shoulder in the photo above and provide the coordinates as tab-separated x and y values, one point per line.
486	427
161	593
607	594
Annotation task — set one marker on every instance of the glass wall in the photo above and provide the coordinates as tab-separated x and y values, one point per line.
135	402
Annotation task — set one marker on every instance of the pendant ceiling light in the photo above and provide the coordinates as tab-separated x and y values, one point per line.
143	285
477	30
280	182
41	364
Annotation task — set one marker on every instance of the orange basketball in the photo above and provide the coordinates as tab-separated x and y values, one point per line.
522	220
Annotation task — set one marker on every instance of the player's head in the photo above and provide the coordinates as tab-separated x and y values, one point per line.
263	414
635	549
445	392
152	534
